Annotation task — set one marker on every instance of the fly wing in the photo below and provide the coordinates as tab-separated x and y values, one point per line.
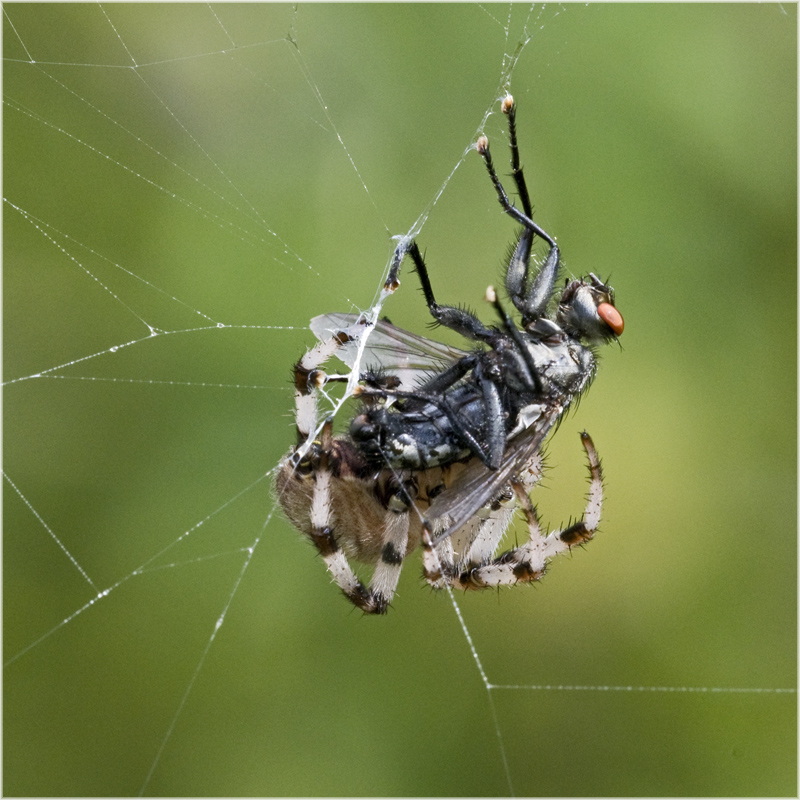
405	355
478	485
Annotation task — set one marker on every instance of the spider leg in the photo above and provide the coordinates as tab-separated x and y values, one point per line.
471	570
528	562
438	563
486	539
581	532
476	541
374	599
387	571
308	377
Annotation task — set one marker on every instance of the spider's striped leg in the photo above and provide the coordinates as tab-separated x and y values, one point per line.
438	565
387	570
580	532
308	378
374	599
499	516
475	541
486	538
477	569
528	562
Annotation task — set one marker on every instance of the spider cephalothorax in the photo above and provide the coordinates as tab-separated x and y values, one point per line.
447	445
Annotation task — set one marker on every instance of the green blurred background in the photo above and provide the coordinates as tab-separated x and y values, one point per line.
660	146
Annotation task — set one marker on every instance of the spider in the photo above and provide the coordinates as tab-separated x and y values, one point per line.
447	445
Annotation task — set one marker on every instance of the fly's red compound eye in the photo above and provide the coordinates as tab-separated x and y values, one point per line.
611	317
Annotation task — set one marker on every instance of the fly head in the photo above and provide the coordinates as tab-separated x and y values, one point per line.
586	310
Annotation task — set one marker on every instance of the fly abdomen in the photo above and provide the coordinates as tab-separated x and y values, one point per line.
407	441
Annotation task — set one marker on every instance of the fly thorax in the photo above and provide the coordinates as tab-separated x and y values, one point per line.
563	366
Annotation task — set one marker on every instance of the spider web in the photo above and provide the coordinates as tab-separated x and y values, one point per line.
185	187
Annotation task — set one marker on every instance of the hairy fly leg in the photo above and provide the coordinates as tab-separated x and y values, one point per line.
458	319
520	259
531	300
